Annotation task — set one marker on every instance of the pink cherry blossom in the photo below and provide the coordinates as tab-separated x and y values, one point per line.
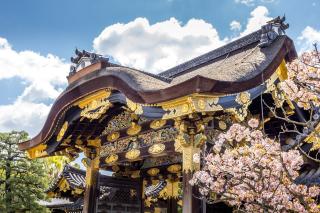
252	173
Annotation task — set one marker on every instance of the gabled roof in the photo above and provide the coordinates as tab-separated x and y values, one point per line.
239	66
75	178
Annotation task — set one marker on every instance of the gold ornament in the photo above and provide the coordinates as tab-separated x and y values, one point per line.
111	159
113	136
134	107
185	108
243	98
201	104
175	168
153	171
222	125
133	129
133	154
156	149
62	131
157	124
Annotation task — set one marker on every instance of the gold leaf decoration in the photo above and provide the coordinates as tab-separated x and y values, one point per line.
134	107
222	125
153	171
134	129
157	124
175	168
111	159
62	131
243	98
113	136
156	149
133	154
96	109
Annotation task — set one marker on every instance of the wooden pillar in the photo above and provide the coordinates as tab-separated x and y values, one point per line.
92	183
189	202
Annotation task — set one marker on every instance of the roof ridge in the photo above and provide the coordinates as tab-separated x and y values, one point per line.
213	54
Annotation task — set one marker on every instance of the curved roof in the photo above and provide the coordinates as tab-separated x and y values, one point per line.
235	67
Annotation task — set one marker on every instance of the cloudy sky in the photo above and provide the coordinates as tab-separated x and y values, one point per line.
38	37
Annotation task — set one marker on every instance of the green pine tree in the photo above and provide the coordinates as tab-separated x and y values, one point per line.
22	181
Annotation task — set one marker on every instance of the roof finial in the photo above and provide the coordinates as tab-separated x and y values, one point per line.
269	34
83	59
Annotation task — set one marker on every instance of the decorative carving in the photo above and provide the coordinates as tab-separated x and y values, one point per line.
95	109
156	149
118	122
111	159
239	113
94	143
175	168
157	124
222	125
171	190
84	59
142	140
161	161
268	34
199	140
37	151
95	105
134	107
153	171
62	131
190	104
243	98
113	136
133	154
134	129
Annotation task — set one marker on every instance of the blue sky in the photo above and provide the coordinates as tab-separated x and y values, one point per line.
38	37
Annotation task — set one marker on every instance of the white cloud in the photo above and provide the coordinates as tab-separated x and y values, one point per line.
44	78
159	46
308	37
258	17
22	115
235	25
42	74
253	2
246	2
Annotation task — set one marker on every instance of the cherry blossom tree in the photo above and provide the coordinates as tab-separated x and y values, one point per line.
248	170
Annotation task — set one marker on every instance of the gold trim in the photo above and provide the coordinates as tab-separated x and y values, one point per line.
190	104
37	151
62	131
102	94
156	149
